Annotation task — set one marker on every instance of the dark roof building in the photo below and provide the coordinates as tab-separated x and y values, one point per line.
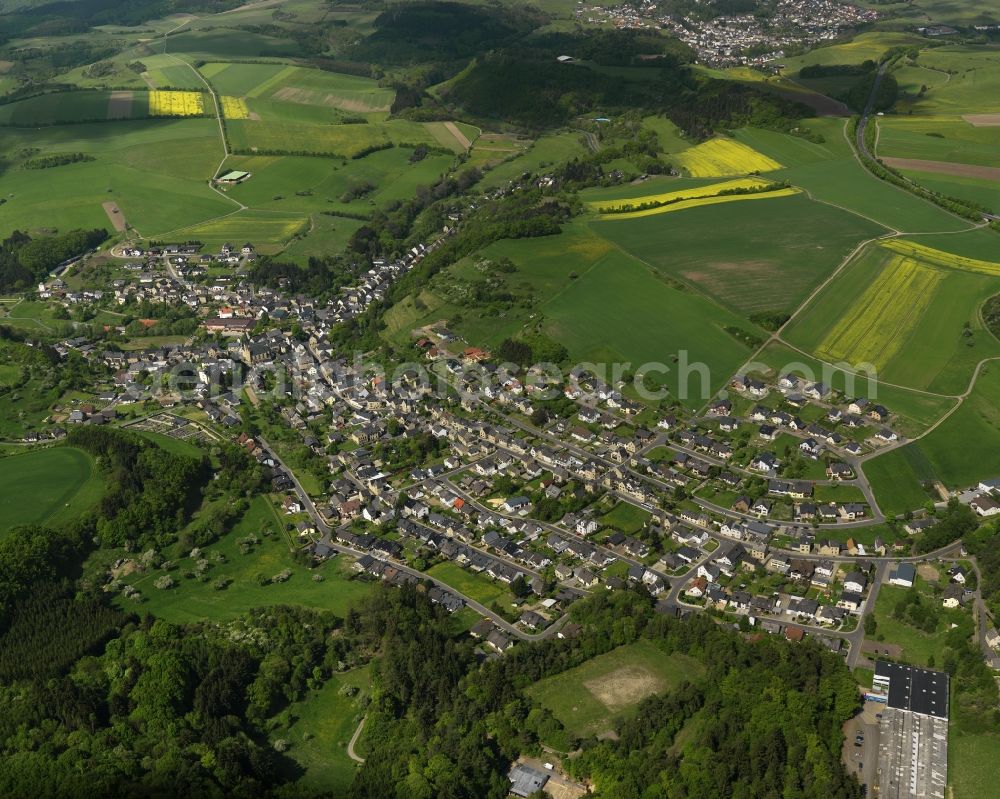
525	780
913	689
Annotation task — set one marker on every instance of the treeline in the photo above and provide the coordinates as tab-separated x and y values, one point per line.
432	706
954	522
59	159
149	493
991	315
25	260
960	207
883	99
837	70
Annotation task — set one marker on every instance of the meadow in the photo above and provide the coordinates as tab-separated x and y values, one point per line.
626	517
322	725
914	319
270	230
914	411
589	698
974	84
944	138
477	586
155	170
249	136
918	646
643	320
897	479
749	256
47	486
192	600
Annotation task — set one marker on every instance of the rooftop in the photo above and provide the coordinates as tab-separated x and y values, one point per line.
910	688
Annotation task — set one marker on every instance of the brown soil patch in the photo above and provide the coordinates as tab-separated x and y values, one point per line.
460	137
928	572
120	105
125	569
945	168
982	120
5	66
253	115
296	94
149	81
115	215
624	687
882	648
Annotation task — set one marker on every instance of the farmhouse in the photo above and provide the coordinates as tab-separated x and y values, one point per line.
232	177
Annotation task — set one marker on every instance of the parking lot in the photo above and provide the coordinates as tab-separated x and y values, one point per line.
862	760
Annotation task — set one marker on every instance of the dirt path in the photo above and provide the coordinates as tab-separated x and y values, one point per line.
354	739
945	168
115	215
460	137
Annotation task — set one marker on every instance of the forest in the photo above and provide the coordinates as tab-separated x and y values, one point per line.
25	260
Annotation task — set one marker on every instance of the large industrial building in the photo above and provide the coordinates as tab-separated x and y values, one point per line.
913	733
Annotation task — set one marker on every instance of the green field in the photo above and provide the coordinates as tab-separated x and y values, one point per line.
972	759
974	84
918	646
749	256
934	345
324	722
47	486
588	699
626	517
645	321
477	586
270	228
948	138
192	600
958	453
248	136
897	478
155	170
914	411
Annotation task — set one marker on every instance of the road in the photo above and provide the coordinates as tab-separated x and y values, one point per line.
354	739
327	538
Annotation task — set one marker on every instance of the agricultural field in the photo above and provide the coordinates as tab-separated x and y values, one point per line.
881	320
750	256
972	757
686	198
982	192
154	170
266	87
914	411
47	486
944	138
867	46
898	477
588	699
973	86
271	228
234	107
63	107
719	157
192	600
176	104
910	311
643	320
248	136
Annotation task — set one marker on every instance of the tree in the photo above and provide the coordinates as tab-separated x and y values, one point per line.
519	587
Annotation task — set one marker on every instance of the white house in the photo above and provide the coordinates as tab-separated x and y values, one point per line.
903	575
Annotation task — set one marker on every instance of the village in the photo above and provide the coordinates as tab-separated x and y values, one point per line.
754	510
740	39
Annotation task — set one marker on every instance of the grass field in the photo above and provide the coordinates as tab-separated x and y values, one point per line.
645	321
718	157
749	256
897	479
972	763
589	698
973	87
323	725
271	229
881	320
909	310
985	193
626	517
279	136
192	600
49	109
155	170
917	645
477	586
47	486
943	138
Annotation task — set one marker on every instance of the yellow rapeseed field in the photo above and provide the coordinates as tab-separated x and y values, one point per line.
175	104
695	202
875	328
938	258
234	108
718	157
694	191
